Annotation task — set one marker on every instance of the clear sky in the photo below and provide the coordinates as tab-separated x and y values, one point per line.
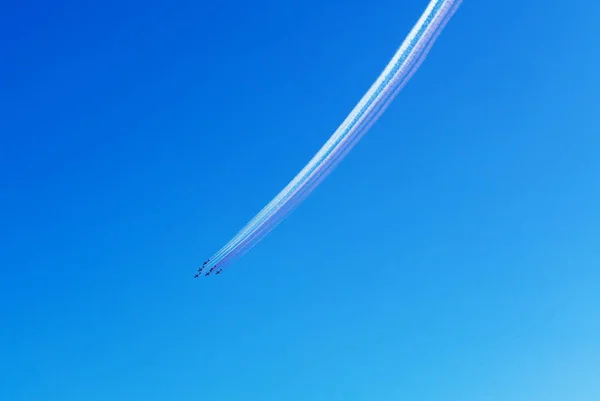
454	255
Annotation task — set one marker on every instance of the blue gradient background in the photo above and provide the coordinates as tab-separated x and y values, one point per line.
454	255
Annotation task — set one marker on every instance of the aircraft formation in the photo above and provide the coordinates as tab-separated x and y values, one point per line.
209	272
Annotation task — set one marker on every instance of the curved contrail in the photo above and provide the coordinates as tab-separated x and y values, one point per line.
255	236
399	70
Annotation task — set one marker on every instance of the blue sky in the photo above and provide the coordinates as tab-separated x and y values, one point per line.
453	255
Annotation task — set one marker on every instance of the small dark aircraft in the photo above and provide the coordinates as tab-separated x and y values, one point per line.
196	275
219	271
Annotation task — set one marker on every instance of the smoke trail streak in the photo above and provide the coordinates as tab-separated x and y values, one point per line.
337	154
399	70
281	214
340	134
368	99
248	229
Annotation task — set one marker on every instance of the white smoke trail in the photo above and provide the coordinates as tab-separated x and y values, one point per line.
340	132
398	71
336	155
278	215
